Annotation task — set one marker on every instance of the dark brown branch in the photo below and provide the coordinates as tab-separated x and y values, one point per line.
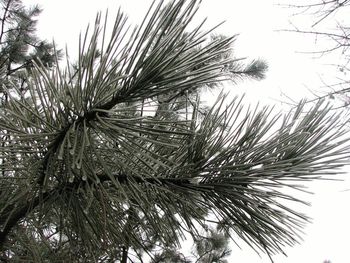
24	65
124	179
124	255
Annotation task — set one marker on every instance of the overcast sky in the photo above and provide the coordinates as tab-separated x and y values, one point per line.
290	73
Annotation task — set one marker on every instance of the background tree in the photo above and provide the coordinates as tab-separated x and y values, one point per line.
116	156
211	247
19	45
329	25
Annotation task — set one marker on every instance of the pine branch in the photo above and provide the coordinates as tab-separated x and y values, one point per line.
103	138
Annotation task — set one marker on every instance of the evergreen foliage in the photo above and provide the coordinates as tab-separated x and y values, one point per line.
212	247
19	45
115	154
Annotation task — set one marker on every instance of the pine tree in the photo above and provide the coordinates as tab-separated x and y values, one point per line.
19	45
212	247
116	154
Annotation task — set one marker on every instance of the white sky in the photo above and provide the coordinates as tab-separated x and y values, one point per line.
289	72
